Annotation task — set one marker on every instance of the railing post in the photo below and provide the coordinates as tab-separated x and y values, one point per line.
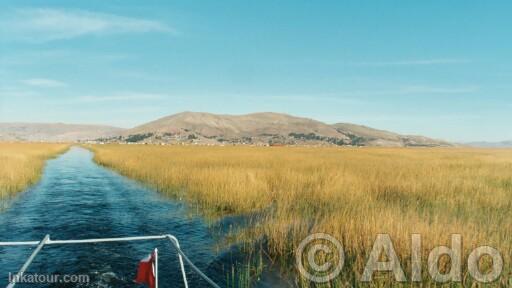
156	267
182	257
24	268
46	241
176	244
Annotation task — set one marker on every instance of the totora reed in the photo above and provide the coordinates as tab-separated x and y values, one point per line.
352	194
22	164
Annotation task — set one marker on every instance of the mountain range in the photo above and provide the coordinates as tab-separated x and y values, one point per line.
502	144
54	132
206	128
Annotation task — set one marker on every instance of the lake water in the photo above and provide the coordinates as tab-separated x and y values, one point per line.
77	199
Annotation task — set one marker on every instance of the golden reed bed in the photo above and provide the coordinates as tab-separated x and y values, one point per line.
352	194
21	164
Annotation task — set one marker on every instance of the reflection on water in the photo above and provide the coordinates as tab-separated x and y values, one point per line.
77	199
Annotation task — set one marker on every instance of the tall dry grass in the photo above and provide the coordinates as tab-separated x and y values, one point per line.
352	194
21	164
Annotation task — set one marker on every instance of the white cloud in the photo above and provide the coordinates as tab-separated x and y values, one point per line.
436	90
41	25
14	92
338	98
353	97
416	118
121	97
43	82
417	62
412	90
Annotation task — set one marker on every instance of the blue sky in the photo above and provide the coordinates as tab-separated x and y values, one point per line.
437	68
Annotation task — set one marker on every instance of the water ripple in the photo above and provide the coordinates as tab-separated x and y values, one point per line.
77	199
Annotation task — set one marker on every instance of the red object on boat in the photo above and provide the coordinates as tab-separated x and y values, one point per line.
146	271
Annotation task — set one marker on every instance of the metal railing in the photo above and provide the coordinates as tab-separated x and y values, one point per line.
47	241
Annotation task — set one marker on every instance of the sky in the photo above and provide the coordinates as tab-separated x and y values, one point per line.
437	68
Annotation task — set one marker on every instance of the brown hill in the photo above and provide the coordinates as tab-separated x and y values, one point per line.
207	128
54	132
367	136
232	126
263	128
483	144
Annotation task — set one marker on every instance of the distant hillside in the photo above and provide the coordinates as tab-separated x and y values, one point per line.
206	128
367	136
265	128
208	124
57	132
502	144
